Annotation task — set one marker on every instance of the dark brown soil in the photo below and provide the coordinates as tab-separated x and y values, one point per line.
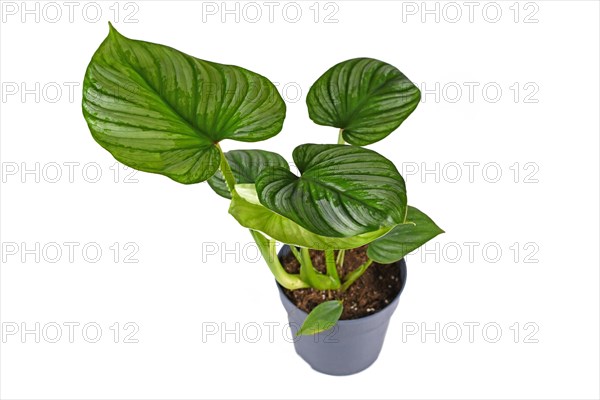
374	290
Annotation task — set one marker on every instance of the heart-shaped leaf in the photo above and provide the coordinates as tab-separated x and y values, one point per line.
247	210
322	317
246	165
366	98
404	238
343	191
159	110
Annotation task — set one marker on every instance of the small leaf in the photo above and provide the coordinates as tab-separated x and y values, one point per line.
343	191
247	210
246	165
159	110
418	230
366	98
322	317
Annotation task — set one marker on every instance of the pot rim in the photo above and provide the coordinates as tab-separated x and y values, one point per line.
403	274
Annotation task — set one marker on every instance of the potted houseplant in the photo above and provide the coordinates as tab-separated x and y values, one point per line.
344	219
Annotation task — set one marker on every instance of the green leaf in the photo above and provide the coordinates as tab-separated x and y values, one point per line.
366	98
403	239
343	191
247	210
159	110
246	165
322	317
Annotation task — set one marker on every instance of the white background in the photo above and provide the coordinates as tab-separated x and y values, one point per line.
179	287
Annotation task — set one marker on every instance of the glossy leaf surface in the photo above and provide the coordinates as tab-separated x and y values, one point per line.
367	98
246	165
322	317
247	210
418	230
343	191
159	110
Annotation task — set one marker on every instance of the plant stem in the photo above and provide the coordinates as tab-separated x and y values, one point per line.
331	267
354	275
269	253
226	171
340	258
296	253
341	138
309	274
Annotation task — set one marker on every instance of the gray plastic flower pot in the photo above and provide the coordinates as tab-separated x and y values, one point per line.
350	346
